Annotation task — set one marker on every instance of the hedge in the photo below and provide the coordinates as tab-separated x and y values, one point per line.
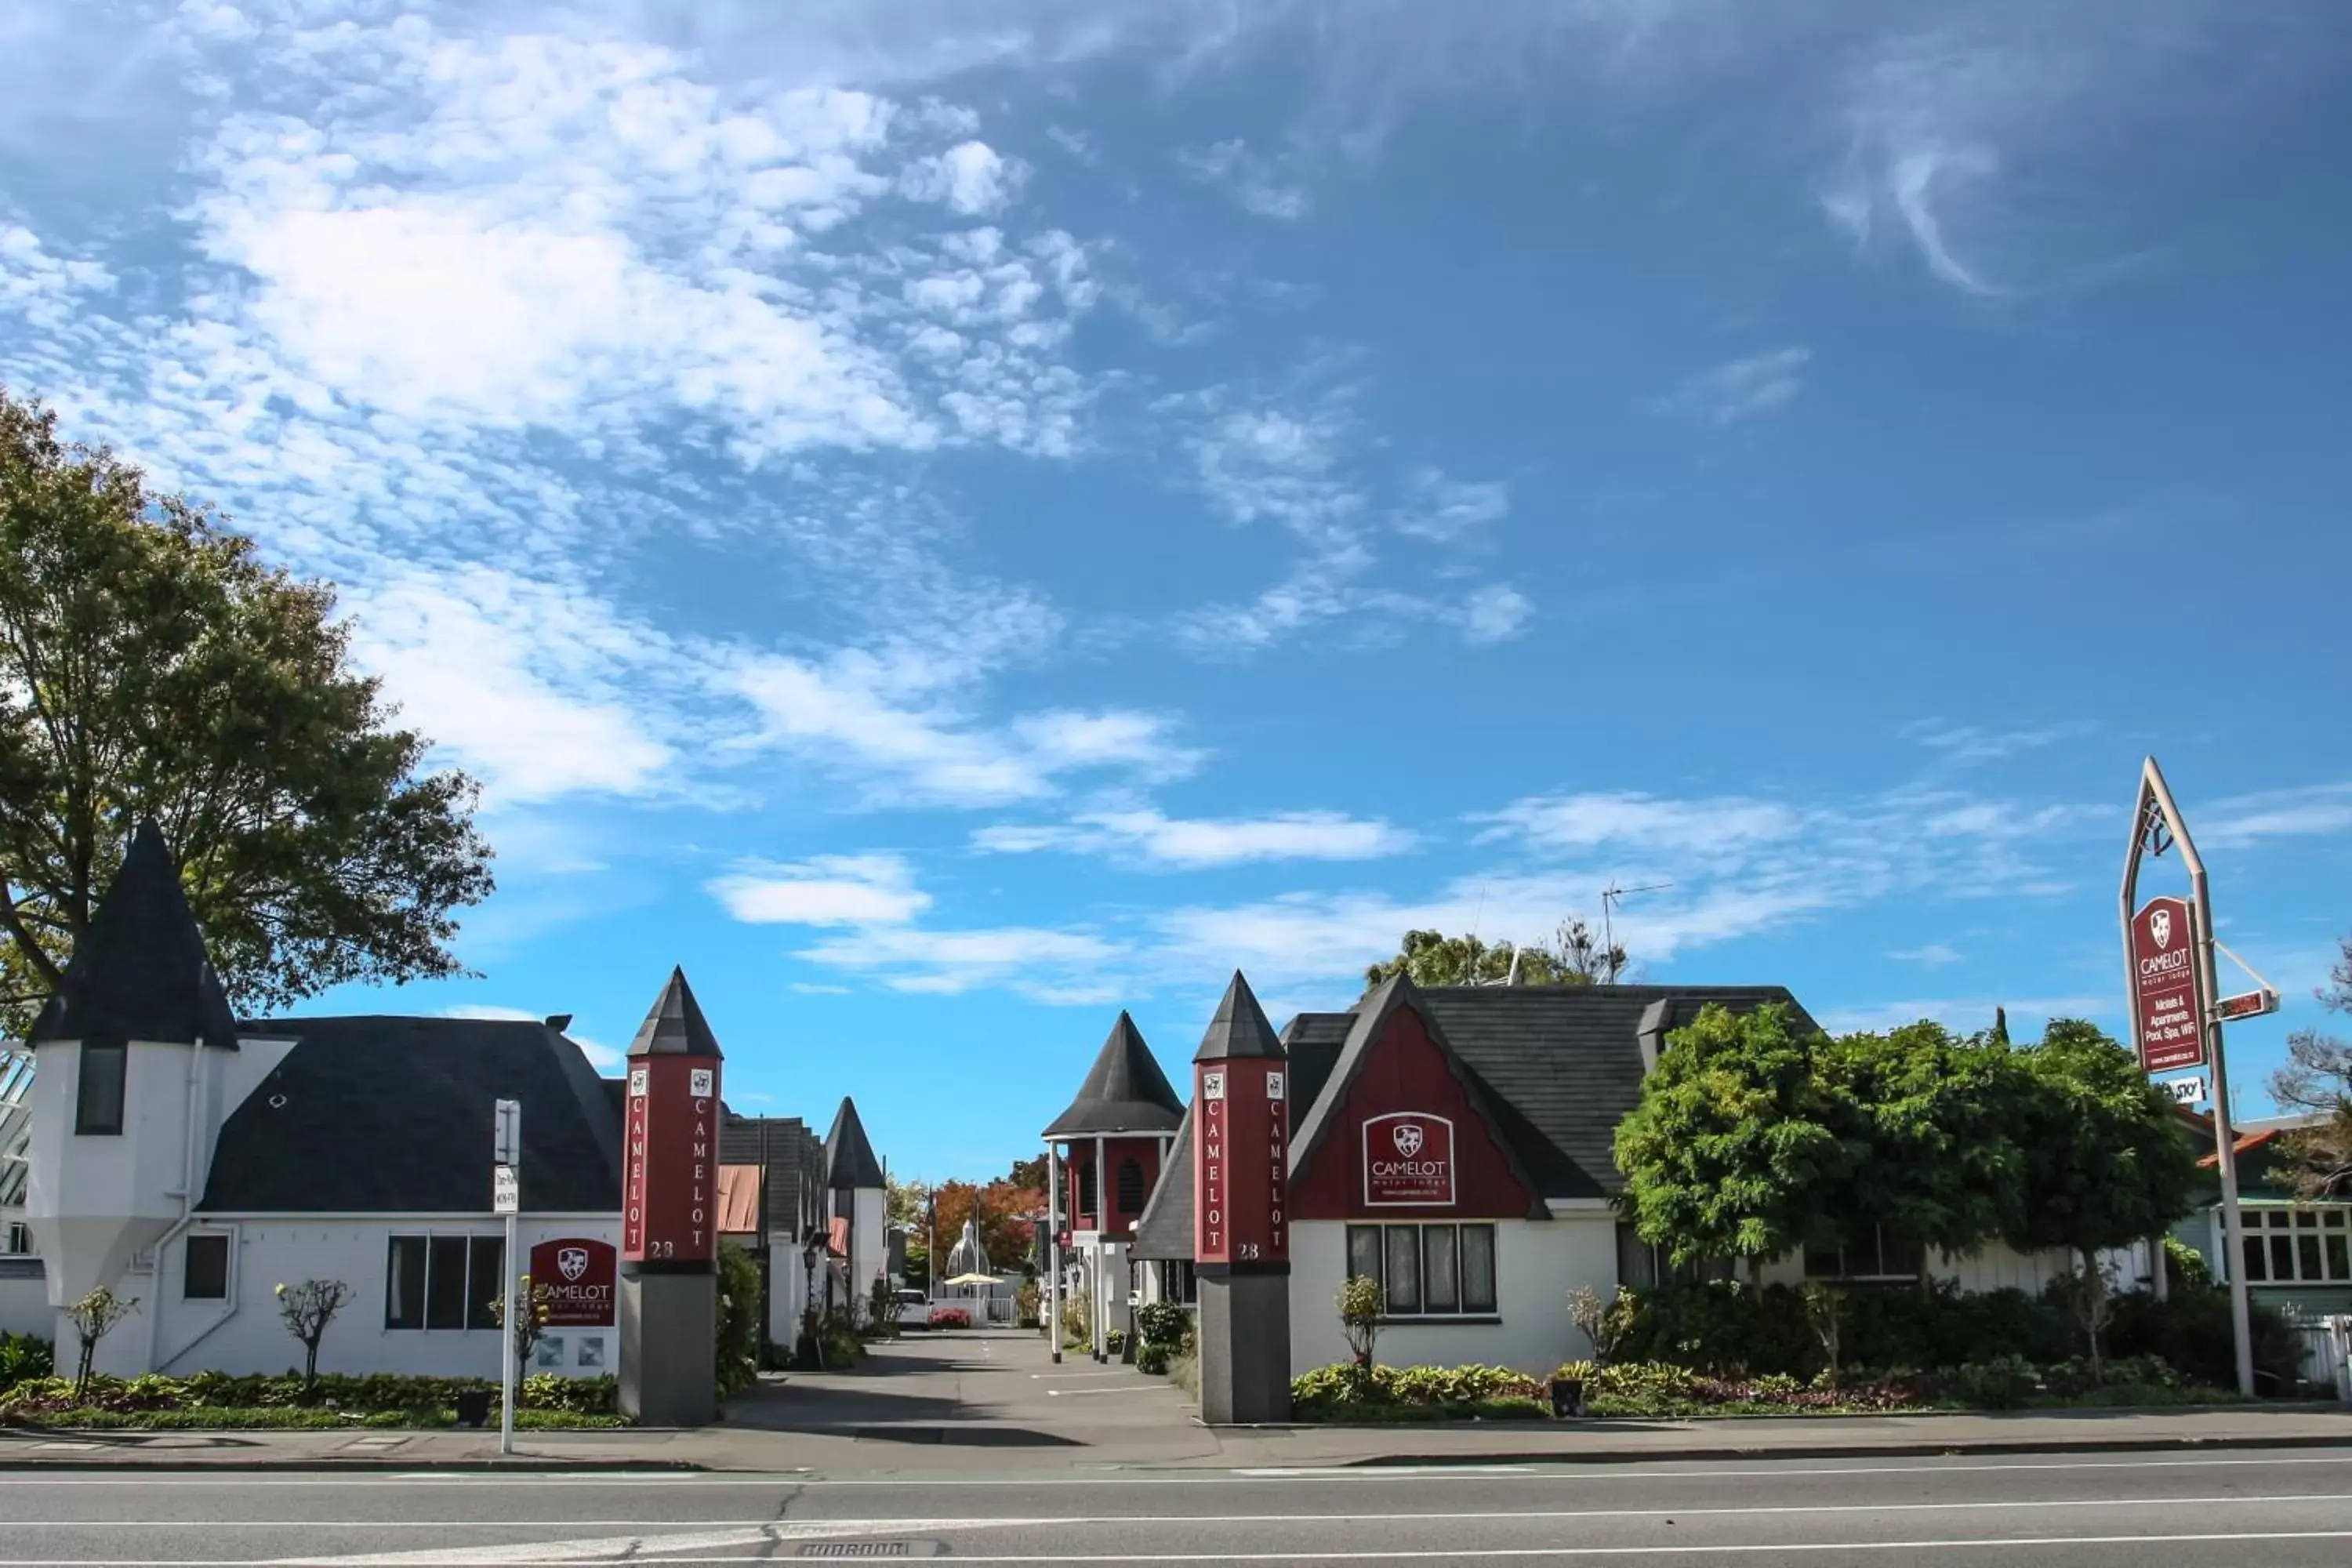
332	1396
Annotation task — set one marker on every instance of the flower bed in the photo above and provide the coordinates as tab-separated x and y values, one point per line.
1400	1393
950	1318
219	1400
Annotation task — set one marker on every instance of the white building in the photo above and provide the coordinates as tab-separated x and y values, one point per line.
1456	1144
1110	1147
193	1162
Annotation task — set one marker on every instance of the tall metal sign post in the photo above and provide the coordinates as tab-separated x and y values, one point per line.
2176	1010
506	1198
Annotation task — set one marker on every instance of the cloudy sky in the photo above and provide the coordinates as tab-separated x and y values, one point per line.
948	518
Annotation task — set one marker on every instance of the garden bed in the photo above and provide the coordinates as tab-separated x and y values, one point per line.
211	1401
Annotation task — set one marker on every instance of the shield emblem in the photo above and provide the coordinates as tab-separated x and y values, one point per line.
1408	1138
2159	926
572	1262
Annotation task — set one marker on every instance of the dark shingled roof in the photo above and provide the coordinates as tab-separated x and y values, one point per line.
675	1026
849	1162
1239	1031
794	1159
1558	1067
385	1115
1164	1231
141	973
1124	1092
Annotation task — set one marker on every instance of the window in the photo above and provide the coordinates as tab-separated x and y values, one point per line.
1645	1266
2298	1246
203	1267
1878	1255
1130	1187
1427	1270
20	1237
98	1096
442	1281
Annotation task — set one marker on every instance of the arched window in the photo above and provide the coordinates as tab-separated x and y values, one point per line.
1130	1187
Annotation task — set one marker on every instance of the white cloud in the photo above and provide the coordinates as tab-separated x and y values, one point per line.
1153	838
1741	388
1496	612
1033	960
1253	180
2027	1016
972	178
1446	509
1729	825
602	1057
2247	820
826	891
1973	744
1932	954
42	287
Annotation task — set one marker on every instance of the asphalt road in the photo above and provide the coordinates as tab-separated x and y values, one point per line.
2280	1509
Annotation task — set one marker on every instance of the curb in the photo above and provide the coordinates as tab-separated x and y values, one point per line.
1948	1449
383	1464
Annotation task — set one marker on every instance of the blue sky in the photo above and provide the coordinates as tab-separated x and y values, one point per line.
949	518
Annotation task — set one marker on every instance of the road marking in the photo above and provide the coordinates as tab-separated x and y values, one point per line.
1066	1376
1619	1471
1075	1392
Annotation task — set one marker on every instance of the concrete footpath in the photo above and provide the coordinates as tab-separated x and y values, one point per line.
995	1403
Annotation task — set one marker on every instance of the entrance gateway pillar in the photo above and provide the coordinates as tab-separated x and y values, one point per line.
669	1241
1241	1227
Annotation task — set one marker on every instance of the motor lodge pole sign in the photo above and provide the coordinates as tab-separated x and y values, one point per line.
2168	986
1241	1183
669	1196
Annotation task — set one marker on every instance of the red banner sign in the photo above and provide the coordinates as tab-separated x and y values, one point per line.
1241	1178
2168	986
669	1196
1408	1160
572	1277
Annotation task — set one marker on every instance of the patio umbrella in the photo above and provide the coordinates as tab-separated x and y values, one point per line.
972	1279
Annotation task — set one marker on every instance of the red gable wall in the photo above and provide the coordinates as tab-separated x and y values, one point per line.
1079	1175
1404	1072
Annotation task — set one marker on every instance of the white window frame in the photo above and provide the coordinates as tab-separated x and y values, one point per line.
229	1265
1842	1276
422	1326
2263	1221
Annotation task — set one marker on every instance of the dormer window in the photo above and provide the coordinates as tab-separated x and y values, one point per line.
97	1093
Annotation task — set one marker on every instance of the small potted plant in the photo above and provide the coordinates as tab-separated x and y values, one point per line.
1568	1389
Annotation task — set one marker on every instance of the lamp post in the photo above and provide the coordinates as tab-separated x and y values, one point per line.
812	1248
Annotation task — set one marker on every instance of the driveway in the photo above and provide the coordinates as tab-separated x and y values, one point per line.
980	1389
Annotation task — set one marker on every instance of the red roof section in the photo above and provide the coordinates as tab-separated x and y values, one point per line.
739	1200
2249	1141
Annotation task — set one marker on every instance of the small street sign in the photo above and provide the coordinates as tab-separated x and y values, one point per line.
2246	1005
506	1190
2192	1091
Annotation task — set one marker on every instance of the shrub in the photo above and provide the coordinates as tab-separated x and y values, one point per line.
1078	1322
1721	1325
738	1358
1151	1359
1385	1392
331	1398
1162	1323
24	1357
1115	1341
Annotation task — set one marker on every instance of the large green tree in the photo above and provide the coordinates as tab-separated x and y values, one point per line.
2318	1081
2106	1160
1739	1144
151	664
1573	957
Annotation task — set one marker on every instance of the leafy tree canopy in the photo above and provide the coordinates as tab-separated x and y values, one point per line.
2107	1160
2318	1081
151	665
1573	957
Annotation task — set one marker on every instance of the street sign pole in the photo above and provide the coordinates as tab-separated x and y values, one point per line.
2156	821
506	1187
1053	1250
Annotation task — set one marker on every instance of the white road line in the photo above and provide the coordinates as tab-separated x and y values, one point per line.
1065	1376
1586	1471
1075	1392
643	1530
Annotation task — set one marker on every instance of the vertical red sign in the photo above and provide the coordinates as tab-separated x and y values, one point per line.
1241	1164
670	1164
2168	986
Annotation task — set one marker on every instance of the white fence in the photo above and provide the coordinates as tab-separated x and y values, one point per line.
2328	1353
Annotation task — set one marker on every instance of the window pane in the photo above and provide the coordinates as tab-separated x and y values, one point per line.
1404	1268
2306	1252
2338	1267
1439	1293
2333	1219
488	1281
403	1294
204	1275
98	1099
1478	1267
445	1283
1363	1252
1130	1187
2256	1256
2306	1220
2282	1258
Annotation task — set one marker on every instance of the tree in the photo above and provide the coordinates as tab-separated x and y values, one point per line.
1362	1304
151	664
530	1323
1029	1172
307	1310
2106	1162
1735	1149
2318	1081
1574	957
93	1317
1004	1223
1604	1324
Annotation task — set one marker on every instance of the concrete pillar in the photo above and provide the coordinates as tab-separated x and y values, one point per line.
669	1348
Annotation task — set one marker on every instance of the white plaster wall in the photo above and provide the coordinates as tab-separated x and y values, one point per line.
1995	1267
869	1240
1537	1264
25	1307
243	1334
93	1202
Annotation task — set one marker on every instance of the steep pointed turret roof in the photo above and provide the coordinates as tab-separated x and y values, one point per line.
1125	1090
1239	1030
849	1162
139	972
675	1028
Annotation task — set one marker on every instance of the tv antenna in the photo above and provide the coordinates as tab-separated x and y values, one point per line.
1610	897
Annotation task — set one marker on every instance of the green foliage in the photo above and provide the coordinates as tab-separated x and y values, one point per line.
2185	1266
1078	1322
1362	1304
93	1317
1026	1300
1604	1324
1574	957
330	1395
1734	1149
151	665
23	1357
308	1310
1930	1125
1151	1358
739	1321
1424	1393
882	1311
1721	1325
1162	1323
1114	1342
2317	1081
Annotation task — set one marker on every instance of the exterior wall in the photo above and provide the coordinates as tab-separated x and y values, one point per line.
1147	1149
1404	1072
23	1300
244	1333
1537	1264
1995	1266
870	1232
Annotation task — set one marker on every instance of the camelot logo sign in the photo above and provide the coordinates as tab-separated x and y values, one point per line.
574	1276
1408	1160
2167	987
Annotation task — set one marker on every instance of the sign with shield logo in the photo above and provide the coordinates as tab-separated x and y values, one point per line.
1408	1160
573	1276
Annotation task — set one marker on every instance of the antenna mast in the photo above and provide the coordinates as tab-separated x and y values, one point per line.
1610	895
